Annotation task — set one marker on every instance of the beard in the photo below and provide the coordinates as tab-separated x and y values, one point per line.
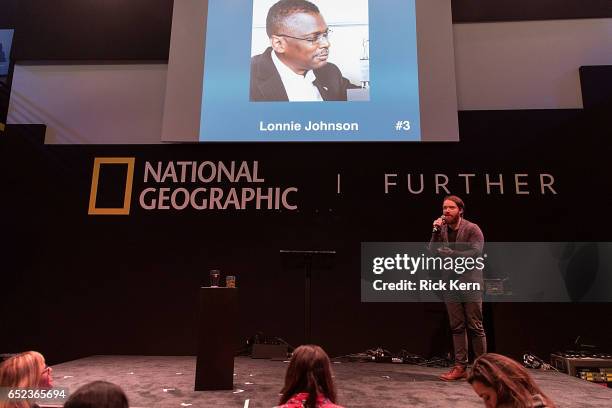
451	219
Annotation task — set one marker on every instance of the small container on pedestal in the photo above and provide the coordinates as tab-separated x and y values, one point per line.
215	275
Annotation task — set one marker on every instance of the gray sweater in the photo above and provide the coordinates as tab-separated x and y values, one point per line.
469	243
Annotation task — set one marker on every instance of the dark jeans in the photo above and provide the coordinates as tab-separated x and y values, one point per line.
462	316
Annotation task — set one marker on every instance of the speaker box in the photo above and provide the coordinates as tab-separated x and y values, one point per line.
273	351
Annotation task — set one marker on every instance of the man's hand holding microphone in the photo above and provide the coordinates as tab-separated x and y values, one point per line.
437	224
437	227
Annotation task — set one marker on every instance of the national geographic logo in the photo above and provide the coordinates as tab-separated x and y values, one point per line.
116	166
185	185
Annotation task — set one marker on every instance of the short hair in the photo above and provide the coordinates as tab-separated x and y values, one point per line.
22	370
455	199
309	371
98	394
285	8
512	383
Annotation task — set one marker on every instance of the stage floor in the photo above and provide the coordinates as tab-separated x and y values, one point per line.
154	381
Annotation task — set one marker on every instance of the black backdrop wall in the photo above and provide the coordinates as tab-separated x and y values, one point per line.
140	29
78	284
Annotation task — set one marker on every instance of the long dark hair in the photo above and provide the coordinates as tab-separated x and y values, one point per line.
309	371
510	380
98	394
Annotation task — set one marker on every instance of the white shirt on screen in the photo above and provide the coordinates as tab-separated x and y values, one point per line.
299	88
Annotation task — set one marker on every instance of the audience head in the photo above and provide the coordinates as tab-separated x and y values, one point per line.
26	370
503	382
98	394
309	371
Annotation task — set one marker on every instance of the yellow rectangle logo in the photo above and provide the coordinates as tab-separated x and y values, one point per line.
127	198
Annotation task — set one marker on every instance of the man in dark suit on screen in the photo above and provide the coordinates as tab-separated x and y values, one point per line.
295	68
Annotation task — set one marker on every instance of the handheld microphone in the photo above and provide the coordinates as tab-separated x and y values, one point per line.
436	228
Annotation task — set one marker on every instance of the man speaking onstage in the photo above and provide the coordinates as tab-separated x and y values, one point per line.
454	236
295	67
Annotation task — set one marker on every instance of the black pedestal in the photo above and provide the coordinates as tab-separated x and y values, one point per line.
216	339
306	259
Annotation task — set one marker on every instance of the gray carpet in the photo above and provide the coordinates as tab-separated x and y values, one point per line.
168	382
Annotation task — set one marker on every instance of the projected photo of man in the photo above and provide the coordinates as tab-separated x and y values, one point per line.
295	66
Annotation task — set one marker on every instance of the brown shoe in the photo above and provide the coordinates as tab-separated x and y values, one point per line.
458	372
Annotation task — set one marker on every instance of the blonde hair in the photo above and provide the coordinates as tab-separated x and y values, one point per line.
22	370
